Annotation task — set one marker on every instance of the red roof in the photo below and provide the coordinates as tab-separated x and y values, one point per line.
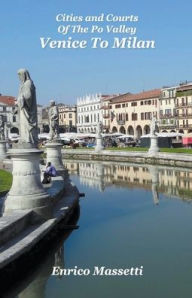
139	96
8	100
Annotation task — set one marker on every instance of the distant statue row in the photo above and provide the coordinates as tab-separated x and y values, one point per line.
27	109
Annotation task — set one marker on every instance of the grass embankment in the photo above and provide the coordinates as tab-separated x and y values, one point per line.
142	149
169	150
5	181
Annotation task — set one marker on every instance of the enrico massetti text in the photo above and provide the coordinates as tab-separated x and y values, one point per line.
98	271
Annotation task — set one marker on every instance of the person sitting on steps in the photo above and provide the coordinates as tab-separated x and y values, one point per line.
50	171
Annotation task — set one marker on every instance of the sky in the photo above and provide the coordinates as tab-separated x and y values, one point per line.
65	74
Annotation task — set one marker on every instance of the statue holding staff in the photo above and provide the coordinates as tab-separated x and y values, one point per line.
27	108
53	121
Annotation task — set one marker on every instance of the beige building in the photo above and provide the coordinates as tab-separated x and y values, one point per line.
132	113
183	106
67	118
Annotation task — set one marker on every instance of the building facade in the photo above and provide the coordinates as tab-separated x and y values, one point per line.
40	118
167	114
67	118
183	105
89	113
10	116
132	113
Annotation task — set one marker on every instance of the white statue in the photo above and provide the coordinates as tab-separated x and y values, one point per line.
2	128
53	121
99	128
153	128
27	108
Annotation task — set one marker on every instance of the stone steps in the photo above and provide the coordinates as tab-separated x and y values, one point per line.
20	232
24	242
12	225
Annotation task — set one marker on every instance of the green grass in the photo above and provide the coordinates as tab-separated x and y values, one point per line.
142	149
5	180
169	150
128	149
176	150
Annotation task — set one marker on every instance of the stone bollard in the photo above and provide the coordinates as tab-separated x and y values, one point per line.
99	144
54	155
154	148
27	191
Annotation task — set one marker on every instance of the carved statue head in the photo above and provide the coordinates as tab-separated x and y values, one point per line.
23	75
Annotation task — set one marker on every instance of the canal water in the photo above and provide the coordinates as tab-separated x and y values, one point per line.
131	216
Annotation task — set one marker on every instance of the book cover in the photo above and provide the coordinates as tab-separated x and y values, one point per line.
117	76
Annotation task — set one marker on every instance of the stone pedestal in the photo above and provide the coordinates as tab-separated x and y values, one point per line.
54	155
3	150
154	148
27	191
99	144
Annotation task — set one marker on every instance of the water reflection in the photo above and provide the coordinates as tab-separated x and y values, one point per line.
173	182
120	228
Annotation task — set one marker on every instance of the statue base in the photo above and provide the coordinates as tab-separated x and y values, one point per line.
99	144
27	191
3	153
154	148
54	155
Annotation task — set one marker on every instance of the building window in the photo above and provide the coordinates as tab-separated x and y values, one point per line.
127	117
123	105
168	112
142	116
70	115
134	116
134	104
117	106
141	103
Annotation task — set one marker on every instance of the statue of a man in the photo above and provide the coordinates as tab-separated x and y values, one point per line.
27	108
153	126
53	121
2	128
99	128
